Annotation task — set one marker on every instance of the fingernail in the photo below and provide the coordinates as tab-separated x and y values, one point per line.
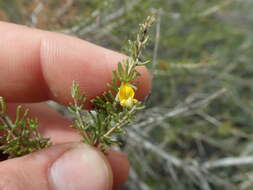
80	168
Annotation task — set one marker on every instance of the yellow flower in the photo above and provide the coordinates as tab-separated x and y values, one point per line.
126	95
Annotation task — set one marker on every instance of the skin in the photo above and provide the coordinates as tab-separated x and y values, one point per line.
36	66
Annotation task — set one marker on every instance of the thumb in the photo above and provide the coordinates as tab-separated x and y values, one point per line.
70	166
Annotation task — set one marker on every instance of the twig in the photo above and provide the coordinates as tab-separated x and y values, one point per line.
81	29
8	123
81	121
215	8
120	123
137	180
63	9
35	13
209	118
227	162
181	109
157	39
151	147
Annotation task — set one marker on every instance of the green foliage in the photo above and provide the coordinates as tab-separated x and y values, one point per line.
169	149
19	137
100	126
126	71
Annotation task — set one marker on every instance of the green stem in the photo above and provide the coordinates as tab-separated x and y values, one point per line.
120	123
80	120
8	123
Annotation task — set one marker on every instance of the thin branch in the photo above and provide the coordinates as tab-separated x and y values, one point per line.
63	9
215	8
181	109
121	122
153	148
36	12
227	162
81	121
9	125
133	175
157	39
81	29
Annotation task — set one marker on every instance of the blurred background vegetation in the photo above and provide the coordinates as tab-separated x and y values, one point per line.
196	132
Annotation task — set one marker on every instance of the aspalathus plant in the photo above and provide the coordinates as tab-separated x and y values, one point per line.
20	136
100	127
116	108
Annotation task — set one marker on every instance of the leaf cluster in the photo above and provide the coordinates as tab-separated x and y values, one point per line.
99	127
19	137
126	71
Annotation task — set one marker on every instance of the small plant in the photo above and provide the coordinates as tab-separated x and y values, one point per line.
113	110
19	137
116	107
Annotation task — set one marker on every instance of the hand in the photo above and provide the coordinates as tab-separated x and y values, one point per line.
36	66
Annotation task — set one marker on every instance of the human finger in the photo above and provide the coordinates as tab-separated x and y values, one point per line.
54	126
60	167
36	65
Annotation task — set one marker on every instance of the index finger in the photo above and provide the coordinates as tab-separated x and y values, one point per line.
36	65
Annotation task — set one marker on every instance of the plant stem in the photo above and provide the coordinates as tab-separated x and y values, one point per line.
120	123
80	119
8	123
